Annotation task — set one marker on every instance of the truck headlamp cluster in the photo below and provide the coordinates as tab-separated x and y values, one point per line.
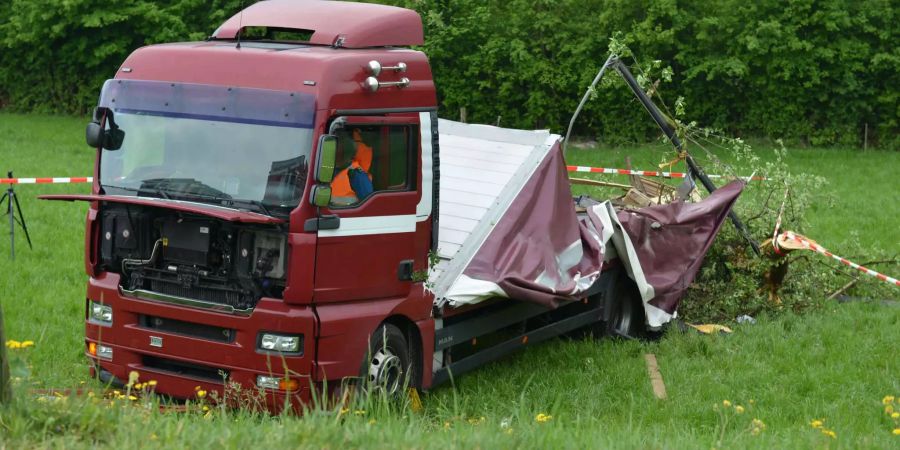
282	384
100	313
104	352
280	343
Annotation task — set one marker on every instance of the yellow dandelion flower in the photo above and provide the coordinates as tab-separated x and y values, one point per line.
543	418
151	383
829	433
359	412
205	408
726	403
201	393
888	399
758	424
27	344
138	385
751	402
896	432
132	398
372	422
739	409
816	424
756	431
11	344
889	409
343	411
895	415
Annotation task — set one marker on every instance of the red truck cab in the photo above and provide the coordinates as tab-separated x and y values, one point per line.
250	282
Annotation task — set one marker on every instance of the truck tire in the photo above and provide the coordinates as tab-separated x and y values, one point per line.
624	310
388	367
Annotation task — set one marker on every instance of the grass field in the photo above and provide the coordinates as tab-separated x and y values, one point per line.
837	363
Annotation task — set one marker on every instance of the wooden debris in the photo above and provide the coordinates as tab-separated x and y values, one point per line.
587	182
659	388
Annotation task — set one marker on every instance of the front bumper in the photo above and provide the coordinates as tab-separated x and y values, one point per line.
180	359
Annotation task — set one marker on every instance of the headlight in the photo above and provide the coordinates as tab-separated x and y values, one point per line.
104	351
100	313
279	343
284	384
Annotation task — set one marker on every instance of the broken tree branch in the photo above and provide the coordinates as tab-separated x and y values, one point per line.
844	288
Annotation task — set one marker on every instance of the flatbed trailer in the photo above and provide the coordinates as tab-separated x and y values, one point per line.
279	208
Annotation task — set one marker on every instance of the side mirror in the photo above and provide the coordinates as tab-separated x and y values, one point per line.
327	155
320	195
96	136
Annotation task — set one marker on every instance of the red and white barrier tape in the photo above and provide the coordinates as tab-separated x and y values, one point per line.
646	173
605	170
55	180
819	249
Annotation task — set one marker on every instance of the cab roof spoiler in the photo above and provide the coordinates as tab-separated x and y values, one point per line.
333	23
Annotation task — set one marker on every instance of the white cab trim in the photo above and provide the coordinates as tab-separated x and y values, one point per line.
363	226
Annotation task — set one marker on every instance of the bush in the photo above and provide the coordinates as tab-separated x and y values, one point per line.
54	56
813	71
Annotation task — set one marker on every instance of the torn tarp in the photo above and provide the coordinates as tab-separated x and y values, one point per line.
541	251
538	251
670	242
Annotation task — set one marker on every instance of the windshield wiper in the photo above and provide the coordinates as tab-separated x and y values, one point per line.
212	195
184	186
159	192
260	205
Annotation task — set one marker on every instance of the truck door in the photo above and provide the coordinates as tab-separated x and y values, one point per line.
372	249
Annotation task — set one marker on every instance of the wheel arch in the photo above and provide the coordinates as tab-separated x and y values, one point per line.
413	341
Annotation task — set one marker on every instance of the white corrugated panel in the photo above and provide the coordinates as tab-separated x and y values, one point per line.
483	169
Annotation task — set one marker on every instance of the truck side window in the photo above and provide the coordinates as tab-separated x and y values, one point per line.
372	159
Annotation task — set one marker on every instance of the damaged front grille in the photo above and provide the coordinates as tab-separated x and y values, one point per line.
223	296
189	286
191	260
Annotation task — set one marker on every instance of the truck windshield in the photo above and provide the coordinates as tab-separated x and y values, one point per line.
235	147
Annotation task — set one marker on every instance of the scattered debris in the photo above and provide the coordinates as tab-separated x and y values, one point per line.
746	319
711	328
659	388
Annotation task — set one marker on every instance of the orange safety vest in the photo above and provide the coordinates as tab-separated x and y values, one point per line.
341	192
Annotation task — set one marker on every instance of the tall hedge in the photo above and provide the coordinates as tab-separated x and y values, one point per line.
816	71
55	55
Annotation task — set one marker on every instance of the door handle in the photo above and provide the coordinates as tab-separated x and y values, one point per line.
405	271
326	222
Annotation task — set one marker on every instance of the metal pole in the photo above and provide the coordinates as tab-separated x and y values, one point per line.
584	99
5	388
695	169
12	222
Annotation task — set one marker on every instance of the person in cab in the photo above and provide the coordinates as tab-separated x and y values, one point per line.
354	183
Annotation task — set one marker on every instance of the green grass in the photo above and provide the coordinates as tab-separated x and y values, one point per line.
836	363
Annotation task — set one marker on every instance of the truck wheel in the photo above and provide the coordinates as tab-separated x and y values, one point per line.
625	310
388	366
